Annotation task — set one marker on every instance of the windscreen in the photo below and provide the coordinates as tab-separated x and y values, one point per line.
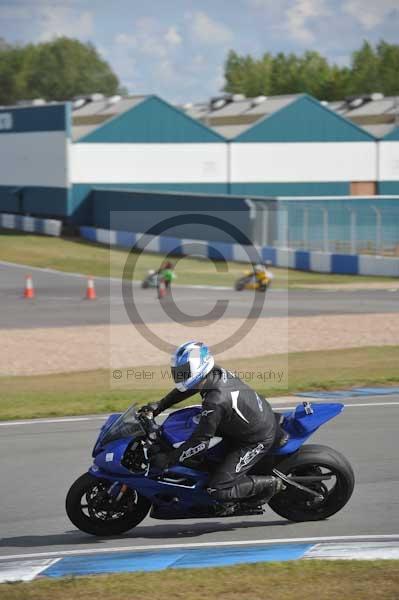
127	425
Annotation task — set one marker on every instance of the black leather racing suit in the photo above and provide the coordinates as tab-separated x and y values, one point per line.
245	421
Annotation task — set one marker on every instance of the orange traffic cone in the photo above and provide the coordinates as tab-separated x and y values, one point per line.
29	291
91	290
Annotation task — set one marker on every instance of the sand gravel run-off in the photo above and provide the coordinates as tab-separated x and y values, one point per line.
65	349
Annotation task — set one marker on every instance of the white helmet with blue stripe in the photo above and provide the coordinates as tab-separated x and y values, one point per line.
190	364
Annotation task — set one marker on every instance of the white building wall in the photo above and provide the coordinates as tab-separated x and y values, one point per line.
148	163
303	162
34	159
388	156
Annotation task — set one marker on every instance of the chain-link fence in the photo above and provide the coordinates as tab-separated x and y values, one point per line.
349	226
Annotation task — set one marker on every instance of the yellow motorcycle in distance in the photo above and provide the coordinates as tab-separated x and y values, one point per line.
258	278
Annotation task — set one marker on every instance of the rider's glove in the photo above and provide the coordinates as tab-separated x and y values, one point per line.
152	407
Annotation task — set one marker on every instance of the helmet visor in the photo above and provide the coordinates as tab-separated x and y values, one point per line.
181	373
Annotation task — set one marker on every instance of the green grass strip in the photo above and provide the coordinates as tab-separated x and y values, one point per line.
90	392
296	580
79	256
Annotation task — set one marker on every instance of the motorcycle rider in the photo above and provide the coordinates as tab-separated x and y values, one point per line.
230	409
166	273
262	275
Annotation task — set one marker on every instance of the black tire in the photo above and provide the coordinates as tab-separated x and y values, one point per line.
240	283
294	505
103	522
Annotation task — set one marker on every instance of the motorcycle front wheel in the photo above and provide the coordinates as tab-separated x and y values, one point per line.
336	487
241	283
92	510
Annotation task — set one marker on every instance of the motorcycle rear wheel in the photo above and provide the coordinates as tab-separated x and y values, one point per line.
90	509
312	459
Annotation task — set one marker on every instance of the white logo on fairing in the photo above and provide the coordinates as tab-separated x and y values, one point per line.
248	457
192	451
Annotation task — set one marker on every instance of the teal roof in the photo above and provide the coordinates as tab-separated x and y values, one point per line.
392	136
304	120
151	120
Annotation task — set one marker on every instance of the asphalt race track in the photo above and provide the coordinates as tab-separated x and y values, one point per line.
60	301
40	460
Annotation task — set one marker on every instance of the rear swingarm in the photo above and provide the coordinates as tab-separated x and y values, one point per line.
293	482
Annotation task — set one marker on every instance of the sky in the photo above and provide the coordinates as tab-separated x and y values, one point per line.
177	48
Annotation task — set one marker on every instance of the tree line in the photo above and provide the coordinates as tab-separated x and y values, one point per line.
64	68
56	70
371	69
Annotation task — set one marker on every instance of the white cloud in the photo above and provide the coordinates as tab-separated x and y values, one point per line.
295	18
148	52
173	37
54	18
57	20
298	15
208	31
150	38
370	13
125	40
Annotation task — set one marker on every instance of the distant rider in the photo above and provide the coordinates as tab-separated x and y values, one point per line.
263	276
166	273
230	409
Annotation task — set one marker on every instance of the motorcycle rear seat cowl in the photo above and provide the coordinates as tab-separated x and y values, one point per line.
300	423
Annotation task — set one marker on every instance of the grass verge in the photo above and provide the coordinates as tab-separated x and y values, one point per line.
79	256
324	580
91	392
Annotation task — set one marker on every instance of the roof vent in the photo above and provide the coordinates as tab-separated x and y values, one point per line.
38	102
218	103
96	97
377	96
78	103
356	102
238	97
258	100
114	99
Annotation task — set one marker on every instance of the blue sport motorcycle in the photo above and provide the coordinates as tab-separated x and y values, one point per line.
121	487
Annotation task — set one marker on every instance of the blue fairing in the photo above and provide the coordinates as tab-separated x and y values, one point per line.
301	426
111	419
109	459
180	425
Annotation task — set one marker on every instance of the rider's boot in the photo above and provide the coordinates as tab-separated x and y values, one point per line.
264	487
259	489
